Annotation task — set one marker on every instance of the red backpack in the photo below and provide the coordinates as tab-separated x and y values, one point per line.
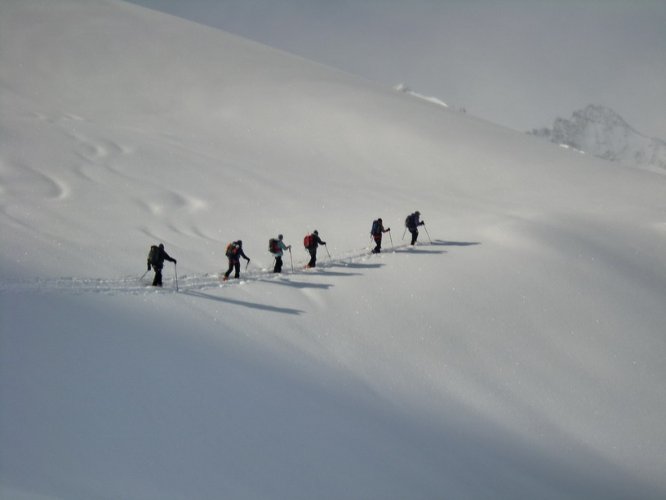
309	241
232	250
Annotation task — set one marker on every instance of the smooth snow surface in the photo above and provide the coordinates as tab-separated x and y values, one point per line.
521	354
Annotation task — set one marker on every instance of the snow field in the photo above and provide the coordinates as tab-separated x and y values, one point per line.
518	355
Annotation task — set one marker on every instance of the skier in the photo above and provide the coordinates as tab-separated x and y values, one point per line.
277	248
156	258
312	241
234	252
376	232
412	223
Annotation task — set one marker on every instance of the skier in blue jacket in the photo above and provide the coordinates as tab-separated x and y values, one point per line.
281	247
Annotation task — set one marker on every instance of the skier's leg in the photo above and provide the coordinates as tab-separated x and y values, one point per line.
158	277
231	267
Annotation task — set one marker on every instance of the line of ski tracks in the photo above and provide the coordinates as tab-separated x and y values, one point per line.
141	285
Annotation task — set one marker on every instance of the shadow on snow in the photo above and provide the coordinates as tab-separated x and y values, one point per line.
236	302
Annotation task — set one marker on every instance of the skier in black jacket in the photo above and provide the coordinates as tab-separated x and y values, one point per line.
234	253
377	230
413	223
315	242
156	259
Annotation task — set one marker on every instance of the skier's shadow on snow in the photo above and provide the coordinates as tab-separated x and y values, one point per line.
420	251
325	272
251	305
357	265
299	284
443	243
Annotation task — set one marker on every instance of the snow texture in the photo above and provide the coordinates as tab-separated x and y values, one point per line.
516	352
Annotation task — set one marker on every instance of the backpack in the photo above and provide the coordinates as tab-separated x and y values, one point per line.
308	241
375	227
154	255
273	246
409	221
232	250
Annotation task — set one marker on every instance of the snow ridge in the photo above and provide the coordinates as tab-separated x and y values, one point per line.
401	87
602	132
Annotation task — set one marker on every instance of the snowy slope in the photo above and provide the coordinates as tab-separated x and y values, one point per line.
520	355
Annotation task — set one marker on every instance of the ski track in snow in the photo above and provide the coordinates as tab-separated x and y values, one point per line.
204	281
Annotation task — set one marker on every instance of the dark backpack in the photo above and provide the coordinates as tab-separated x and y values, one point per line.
232	250
273	246
409	221
375	227
154	255
309	241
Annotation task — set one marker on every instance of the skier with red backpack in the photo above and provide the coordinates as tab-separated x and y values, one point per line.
311	242
276	247
234	252
376	232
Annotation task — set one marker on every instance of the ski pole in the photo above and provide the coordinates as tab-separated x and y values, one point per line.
329	253
426	230
390	237
175	270
403	233
143	275
291	260
247	264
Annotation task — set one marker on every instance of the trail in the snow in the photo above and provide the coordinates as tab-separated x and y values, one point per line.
204	281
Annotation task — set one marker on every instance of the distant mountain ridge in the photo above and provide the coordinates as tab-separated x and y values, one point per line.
602	132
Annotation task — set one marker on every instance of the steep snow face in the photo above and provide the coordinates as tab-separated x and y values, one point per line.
516	352
600	131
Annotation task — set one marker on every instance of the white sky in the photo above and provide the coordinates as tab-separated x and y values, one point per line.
520	63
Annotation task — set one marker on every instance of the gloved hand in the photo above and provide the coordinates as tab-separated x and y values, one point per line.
175	262
389	229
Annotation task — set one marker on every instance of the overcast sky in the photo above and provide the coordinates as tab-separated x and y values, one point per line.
520	63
